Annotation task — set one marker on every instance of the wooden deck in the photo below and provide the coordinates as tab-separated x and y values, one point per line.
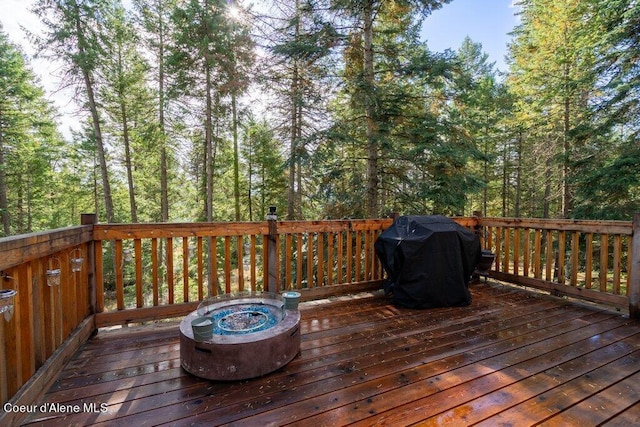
511	358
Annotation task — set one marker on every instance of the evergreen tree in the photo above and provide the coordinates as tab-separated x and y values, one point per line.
126	99
295	72
412	155
206	73
608	185
365	15
264	165
29	147
553	78
480	104
154	17
72	35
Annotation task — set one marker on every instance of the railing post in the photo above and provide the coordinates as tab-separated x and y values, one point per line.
91	219
634	282
272	250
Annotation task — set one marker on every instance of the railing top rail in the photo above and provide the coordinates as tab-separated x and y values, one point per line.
215	229
588	226
23	248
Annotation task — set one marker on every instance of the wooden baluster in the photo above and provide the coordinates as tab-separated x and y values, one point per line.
155	268
200	263
119	271
537	261
26	312
320	268
526	264
629	264
213	251
604	261
575	252
310	259
299	260
498	248
240	249
367	254
617	263
252	263
340	258
507	249
330	255
358	256
288	260
349	244
549	258
170	282
516	251
562	243
227	264
588	273
137	249
67	297
489	241
185	269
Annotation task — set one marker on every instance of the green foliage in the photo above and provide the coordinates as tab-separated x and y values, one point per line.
324	108
30	148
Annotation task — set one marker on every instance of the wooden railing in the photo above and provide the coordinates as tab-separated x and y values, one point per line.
152	271
590	260
44	316
141	272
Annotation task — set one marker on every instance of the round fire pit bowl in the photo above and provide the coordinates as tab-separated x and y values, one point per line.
252	335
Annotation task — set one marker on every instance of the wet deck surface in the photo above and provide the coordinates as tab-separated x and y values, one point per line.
510	358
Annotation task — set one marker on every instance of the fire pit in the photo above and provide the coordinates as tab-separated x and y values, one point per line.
239	337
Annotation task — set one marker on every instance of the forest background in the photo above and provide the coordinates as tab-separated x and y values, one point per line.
357	117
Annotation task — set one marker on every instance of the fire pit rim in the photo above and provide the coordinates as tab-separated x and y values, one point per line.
289	319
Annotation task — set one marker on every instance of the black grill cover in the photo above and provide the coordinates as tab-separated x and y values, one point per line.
428	260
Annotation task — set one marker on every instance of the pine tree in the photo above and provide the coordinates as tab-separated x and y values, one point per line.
264	165
365	15
295	72
553	78
126	99
29	147
154	17
608	184
72	35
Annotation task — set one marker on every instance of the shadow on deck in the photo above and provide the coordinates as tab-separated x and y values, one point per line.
511	358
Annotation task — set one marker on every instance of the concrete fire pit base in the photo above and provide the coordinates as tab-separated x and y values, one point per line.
231	357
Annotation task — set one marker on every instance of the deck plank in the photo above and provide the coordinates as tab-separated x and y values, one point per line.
511	357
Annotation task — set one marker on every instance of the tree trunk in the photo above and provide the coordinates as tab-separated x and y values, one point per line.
566	190
106	187
299	149
371	130
293	149
164	181
88	81
208	141
128	162
236	155
516	212
249	145
547	189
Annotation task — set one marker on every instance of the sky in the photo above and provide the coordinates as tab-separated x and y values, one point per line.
485	21
488	22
